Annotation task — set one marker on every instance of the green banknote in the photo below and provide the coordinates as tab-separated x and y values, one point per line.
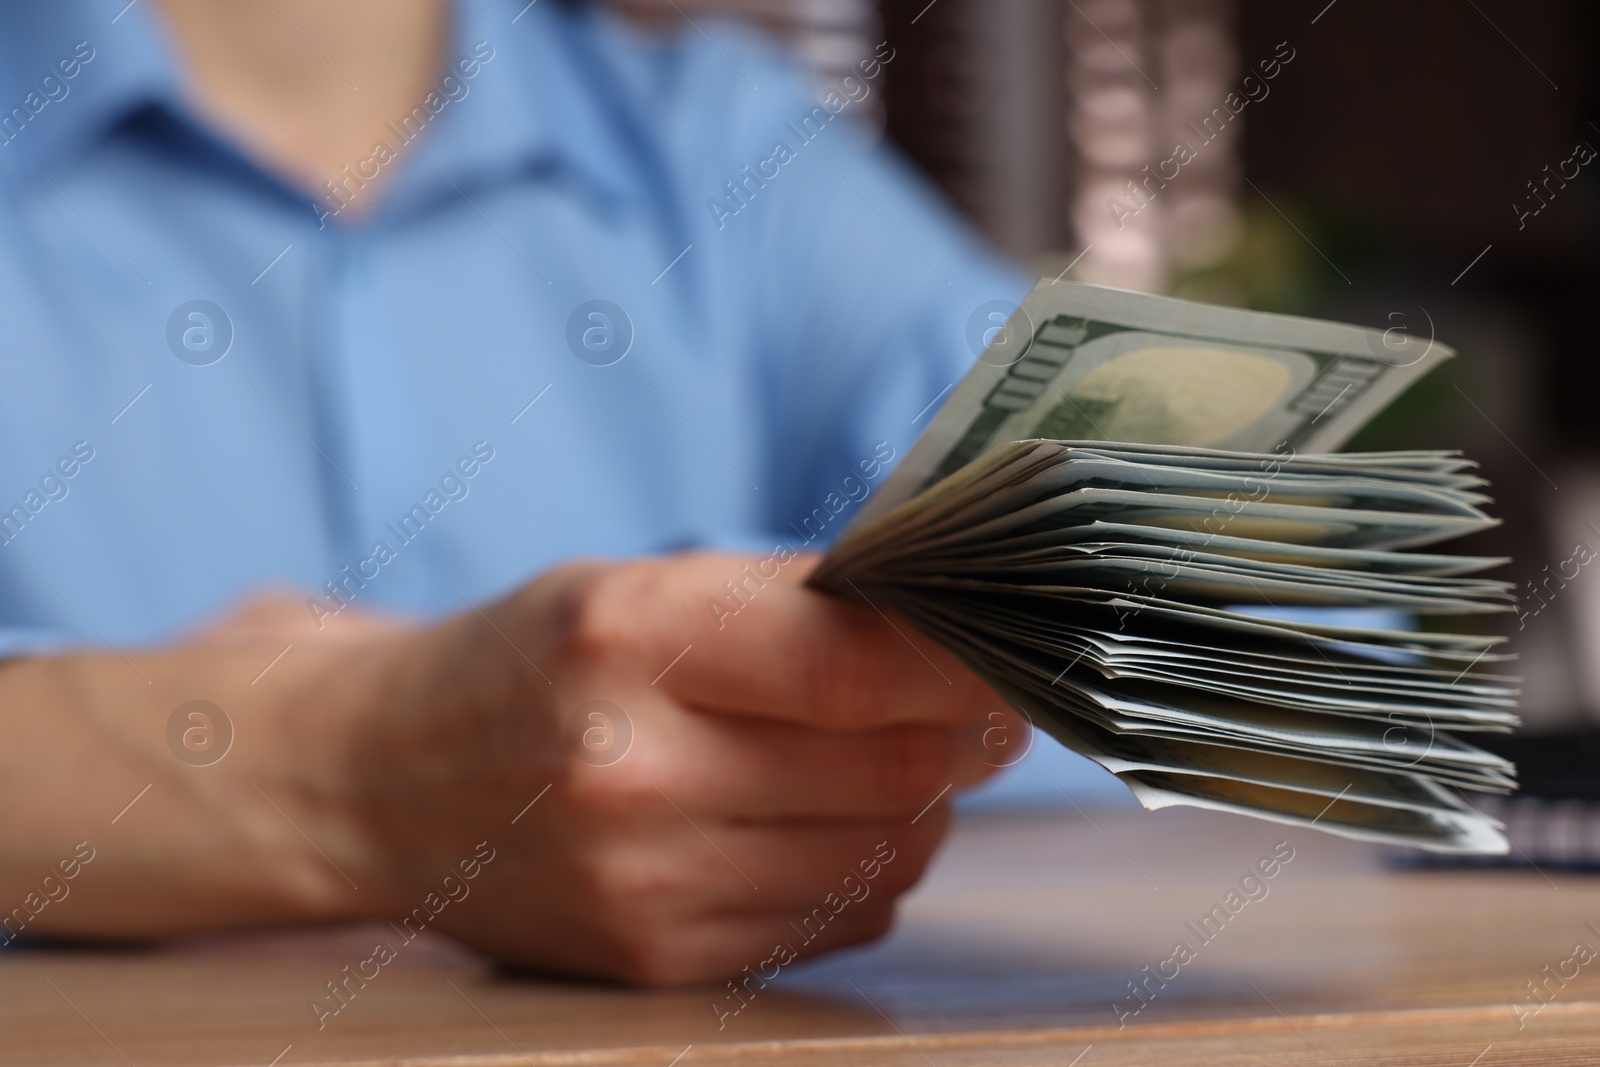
1083	363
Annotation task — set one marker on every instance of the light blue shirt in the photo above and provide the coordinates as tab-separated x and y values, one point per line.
212	382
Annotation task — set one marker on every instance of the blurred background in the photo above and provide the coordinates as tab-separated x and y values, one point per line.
1427	168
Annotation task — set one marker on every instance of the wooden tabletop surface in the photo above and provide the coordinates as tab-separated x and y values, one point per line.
1019	948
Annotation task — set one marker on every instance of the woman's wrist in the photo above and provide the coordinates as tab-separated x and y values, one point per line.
208	789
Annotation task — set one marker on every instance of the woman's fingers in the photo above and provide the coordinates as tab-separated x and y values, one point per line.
745	769
749	952
718	776
789	653
665	865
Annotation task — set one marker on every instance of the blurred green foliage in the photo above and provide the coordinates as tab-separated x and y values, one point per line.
1287	265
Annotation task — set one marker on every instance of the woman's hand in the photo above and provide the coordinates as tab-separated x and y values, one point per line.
669	789
646	778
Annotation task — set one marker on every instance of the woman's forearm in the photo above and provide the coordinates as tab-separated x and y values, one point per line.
122	823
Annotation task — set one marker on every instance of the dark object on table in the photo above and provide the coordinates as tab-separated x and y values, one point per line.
1553	821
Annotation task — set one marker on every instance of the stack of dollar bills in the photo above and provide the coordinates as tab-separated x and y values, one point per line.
1130	521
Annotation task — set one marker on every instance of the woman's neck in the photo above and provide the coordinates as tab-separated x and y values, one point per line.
306	86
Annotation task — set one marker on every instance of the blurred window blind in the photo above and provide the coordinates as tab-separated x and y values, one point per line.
829	36
1043	119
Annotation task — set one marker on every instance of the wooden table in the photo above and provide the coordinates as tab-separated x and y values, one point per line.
1014	950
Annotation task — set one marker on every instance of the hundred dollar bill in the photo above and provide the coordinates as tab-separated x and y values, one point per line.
1128	521
1083	363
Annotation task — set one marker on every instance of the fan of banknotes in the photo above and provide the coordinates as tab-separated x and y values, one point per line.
1129	519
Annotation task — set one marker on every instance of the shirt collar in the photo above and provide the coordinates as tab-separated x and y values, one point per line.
546	97
121	64
542	99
